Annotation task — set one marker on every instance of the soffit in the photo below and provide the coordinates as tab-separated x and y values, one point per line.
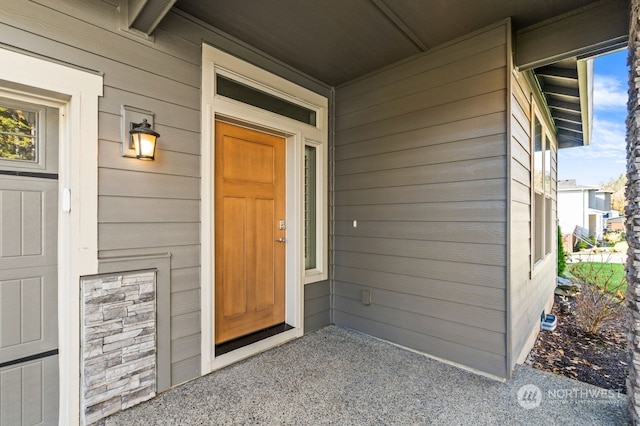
568	106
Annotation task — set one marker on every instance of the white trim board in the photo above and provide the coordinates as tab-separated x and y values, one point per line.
297	134
76	93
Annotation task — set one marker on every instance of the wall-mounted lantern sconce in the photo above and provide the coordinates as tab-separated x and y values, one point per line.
143	140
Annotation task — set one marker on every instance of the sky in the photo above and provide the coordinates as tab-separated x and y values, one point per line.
605	157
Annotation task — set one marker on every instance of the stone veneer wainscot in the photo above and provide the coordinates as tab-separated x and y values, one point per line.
118	342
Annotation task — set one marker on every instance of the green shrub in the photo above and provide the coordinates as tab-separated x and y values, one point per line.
562	260
582	245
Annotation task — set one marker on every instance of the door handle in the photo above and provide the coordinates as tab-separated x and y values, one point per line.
281	240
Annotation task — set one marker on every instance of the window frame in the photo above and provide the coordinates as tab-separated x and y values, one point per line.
542	235
320	271
40	140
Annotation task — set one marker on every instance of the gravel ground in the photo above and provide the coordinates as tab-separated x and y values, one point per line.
337	376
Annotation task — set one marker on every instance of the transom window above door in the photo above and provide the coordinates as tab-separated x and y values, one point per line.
230	88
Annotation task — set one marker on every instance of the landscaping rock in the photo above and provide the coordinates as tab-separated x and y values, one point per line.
566	287
563	281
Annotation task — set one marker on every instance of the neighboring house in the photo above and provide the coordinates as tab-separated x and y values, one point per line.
586	207
388	167
616	223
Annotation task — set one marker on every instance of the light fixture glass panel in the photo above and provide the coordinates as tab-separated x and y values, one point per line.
249	95
144	145
310	206
147	145
18	134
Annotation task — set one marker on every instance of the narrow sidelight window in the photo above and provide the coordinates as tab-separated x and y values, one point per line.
310	207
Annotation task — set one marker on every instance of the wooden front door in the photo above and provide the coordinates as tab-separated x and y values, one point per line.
249	241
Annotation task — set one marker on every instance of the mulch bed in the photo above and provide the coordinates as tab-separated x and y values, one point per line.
600	360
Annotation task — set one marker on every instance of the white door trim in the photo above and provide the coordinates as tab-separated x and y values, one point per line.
297	134
77	93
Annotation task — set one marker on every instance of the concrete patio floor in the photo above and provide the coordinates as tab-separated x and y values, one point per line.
337	376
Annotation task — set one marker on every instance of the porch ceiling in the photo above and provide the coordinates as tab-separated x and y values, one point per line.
336	41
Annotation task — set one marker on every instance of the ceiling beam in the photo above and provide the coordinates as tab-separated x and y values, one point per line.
598	27
566	125
566	116
390	14
561	91
145	15
557	72
568	106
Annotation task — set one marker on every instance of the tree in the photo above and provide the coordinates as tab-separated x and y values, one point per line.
17	135
617	185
